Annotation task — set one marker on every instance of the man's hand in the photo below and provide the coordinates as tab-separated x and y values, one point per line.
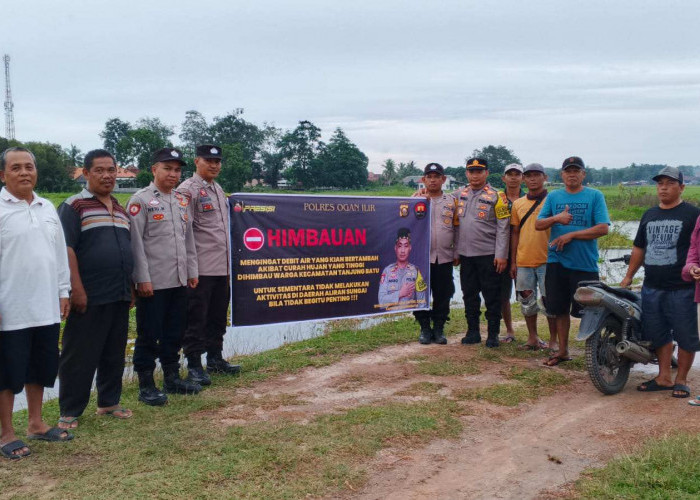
513	270
695	273
422	192
500	264
64	305
564	217
626	282
407	290
193	282
78	300
144	289
558	243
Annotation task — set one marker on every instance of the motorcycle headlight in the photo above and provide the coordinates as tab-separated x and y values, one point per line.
587	296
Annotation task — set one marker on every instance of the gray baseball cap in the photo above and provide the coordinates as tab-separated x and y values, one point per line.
670	172
534	167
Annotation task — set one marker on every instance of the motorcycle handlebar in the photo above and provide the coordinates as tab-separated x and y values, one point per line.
624	258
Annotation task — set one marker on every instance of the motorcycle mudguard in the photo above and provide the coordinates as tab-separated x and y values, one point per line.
592	320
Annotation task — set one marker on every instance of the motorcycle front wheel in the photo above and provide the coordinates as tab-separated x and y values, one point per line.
608	370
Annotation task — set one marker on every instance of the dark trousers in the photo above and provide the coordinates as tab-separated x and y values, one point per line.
207	310
93	341
478	274
160	322
442	287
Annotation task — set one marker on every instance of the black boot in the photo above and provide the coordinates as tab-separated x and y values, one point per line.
173	384
148	393
195	372
494	329
426	333
217	364
439	332
473	335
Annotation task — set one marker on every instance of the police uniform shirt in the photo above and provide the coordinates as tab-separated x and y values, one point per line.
210	224
443	213
484	222
393	278
162	240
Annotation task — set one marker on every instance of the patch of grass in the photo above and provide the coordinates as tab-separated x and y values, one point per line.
274	401
667	468
614	239
447	367
421	389
528	384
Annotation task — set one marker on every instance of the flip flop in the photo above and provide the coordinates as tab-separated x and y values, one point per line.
508	339
528	347
694	402
683	389
653	386
9	449
115	413
54	434
555	360
69	421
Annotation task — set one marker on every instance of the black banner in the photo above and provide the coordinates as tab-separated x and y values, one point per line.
298	257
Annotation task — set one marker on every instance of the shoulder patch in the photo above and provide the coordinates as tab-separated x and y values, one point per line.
421	285
134	208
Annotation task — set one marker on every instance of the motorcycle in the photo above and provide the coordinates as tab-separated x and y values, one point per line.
611	327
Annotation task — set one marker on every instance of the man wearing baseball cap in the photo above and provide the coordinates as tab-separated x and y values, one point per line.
513	180
577	216
482	245
443	213
668	309
165	265
207	305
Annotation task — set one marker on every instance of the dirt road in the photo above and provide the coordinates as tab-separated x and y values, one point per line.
533	450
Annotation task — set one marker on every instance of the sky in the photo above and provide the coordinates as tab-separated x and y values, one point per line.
613	82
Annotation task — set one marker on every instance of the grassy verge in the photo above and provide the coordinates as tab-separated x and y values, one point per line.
667	468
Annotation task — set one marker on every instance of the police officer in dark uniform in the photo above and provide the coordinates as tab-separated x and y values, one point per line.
482	244
443	213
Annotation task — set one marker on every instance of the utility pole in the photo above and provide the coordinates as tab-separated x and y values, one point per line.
9	116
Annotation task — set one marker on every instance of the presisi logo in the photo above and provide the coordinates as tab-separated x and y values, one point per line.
419	210
259	208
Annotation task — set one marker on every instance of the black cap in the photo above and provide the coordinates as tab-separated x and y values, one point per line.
208	151
477	163
573	161
434	167
404	232
670	172
533	167
168	154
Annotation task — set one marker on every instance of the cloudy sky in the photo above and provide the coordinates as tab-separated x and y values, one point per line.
614	82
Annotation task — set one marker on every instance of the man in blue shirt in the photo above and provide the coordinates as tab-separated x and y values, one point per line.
577	216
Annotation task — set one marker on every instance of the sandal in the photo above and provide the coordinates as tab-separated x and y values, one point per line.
54	434
68	422
507	339
653	386
8	450
683	389
528	347
555	360
119	413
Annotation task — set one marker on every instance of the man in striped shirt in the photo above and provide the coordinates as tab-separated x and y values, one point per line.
101	263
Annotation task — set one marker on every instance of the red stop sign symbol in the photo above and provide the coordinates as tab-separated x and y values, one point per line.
253	239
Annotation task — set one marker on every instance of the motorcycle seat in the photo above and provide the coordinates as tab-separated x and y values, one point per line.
620	292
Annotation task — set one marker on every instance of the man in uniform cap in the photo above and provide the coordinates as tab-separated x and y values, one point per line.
207	305
482	245
165	264
401	285
443	213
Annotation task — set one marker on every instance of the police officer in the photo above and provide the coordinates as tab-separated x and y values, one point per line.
482	246
165	264
401	285
443	213
207	305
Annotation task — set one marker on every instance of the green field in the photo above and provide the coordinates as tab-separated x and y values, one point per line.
624	203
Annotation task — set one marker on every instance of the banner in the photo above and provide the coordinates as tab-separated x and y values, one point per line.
298	257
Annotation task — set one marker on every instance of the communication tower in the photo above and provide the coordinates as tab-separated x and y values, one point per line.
9	116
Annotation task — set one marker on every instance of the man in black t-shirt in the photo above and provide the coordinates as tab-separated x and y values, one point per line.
668	307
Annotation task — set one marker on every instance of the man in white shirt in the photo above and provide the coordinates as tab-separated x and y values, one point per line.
33	299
